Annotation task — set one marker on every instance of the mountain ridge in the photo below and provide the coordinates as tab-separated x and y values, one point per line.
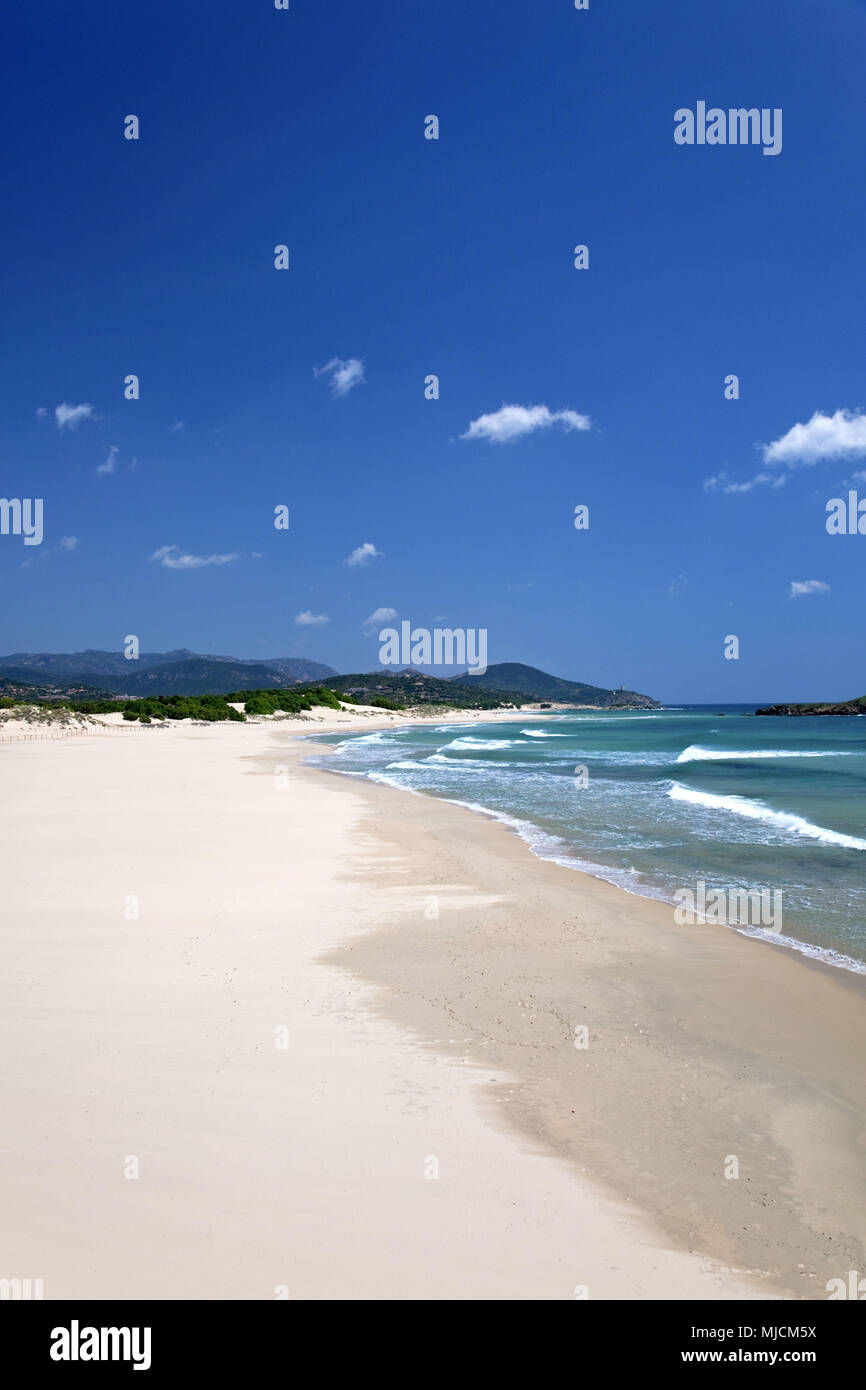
531	680
507	683
52	666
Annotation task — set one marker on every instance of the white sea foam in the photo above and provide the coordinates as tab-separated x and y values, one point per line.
490	743
825	954
756	810
359	740
695	754
541	733
390	782
458	765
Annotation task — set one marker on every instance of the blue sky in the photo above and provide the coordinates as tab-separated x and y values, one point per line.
455	257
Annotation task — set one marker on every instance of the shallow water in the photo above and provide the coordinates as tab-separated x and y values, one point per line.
655	801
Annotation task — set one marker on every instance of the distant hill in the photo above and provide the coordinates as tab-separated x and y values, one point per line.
533	684
297	668
417	688
17	689
54	665
183	672
198	676
856	706
114	671
192	677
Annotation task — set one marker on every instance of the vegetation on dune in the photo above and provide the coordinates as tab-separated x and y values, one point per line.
48	715
291	701
210	708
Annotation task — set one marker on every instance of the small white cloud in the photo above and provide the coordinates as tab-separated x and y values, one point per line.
362	554
177	427
309	619
42	413
110	465
68	542
722	482
343	373
257	555
172	558
801	587
513	421
676	585
69	417
378	616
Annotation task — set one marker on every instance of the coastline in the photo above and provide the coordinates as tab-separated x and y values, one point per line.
411	1038
529	833
794	1188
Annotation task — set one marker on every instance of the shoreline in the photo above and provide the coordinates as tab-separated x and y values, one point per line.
782	970
825	957
812	956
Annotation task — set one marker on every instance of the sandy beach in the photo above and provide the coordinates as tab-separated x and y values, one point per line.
271	1032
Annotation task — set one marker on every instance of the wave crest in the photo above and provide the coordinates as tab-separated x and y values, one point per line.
756	810
695	754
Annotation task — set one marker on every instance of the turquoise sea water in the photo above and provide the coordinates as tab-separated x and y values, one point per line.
667	798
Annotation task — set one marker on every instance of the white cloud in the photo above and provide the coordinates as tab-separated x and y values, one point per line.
513	421
801	587
68	542
842	435
309	619
379	615
42	413
721	482
362	554
110	465
69	417
177	427
824	437
344	374
171	557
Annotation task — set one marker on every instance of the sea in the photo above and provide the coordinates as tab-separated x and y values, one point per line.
657	801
